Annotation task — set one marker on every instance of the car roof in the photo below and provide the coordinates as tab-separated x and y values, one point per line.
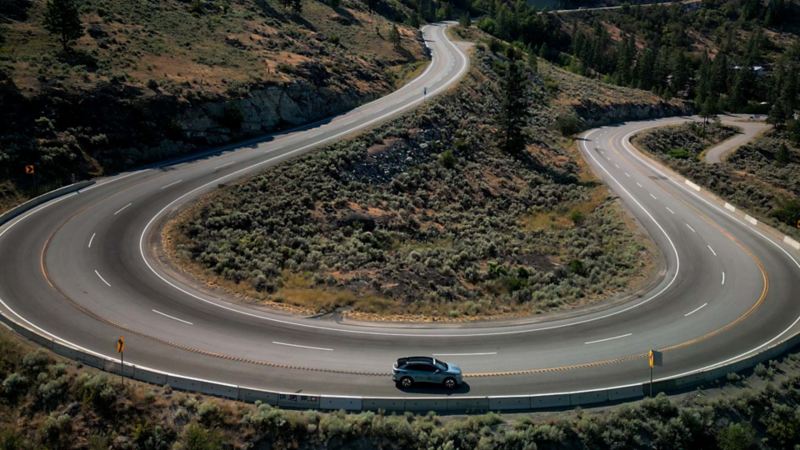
415	359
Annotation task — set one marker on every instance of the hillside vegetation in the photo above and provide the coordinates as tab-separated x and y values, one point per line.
739	55
428	217
50	403
150	80
762	177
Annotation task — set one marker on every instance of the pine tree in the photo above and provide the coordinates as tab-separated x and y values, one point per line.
514	107
63	19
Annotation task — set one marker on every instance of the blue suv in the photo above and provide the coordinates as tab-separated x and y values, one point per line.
424	369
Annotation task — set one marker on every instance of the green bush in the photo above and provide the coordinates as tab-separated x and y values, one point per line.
447	159
568	123
15	386
679	153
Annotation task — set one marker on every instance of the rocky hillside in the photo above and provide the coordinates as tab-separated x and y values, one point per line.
147	81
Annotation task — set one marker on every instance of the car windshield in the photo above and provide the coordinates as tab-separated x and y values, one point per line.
441	365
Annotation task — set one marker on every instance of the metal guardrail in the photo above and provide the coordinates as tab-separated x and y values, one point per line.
42	199
443	405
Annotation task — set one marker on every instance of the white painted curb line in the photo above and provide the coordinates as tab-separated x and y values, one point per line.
750	219
693	185
730	207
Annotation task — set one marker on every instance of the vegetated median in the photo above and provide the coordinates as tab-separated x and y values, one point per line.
763	176
427	218
140	84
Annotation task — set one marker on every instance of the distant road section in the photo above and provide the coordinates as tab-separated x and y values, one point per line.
611	8
750	130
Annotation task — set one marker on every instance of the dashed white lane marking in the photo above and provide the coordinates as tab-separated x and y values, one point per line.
654	197
101	278
171	184
303	346
222	166
608	339
465	354
91	239
627	174
172	317
712	250
616	165
670	210
639	184
723	278
695	310
123	208
690	227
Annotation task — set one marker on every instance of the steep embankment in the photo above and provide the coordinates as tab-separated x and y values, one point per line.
148	82
427	218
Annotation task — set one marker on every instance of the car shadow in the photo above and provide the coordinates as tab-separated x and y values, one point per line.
430	388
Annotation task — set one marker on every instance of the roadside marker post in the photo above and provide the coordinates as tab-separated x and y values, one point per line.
121	351
654	358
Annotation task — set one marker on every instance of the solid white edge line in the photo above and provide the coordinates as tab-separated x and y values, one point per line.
171	317
608	339
101	278
308	347
91	239
712	250
123	208
693	185
696	309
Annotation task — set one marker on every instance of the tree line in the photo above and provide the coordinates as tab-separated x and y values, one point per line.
658	49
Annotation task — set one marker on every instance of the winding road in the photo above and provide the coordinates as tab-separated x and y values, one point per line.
83	269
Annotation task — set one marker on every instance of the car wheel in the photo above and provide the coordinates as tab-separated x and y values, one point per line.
450	383
406	382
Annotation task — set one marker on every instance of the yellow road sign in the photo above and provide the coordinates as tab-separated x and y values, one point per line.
121	344
655	358
30	169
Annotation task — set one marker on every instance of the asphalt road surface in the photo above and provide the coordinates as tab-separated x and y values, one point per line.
83	269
